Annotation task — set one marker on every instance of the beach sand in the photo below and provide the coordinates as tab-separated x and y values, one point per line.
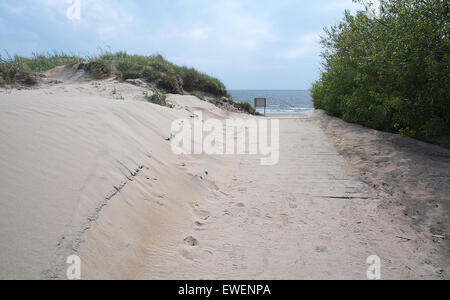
86	168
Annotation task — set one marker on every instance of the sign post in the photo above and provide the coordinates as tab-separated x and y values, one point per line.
261	102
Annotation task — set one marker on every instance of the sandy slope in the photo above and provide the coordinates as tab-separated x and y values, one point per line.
85	168
309	217
70	150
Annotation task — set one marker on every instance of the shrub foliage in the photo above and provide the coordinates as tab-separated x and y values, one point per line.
392	71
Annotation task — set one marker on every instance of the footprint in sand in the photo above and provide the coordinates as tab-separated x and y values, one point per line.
202	214
227	213
199	226
194	205
191	241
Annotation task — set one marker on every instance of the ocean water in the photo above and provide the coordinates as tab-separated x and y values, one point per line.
278	101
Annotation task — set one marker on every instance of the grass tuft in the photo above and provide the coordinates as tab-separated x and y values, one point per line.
98	69
156	96
246	107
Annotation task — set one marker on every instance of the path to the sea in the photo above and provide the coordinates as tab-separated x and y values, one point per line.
309	217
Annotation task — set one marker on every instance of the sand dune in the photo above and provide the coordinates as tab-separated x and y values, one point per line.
67	152
86	169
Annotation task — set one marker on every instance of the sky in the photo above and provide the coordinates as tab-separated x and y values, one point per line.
248	44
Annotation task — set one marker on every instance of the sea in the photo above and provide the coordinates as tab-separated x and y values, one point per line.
278	101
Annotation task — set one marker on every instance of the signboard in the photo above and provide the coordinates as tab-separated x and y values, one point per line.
261	102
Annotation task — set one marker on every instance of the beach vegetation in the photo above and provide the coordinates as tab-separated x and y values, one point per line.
163	74
391	70
154	69
156	96
11	73
246	107
199	94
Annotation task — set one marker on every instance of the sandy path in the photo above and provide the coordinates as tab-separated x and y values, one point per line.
309	217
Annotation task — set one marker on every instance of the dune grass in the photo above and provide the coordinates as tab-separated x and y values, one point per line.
247	107
42	62
156	97
154	69
166	75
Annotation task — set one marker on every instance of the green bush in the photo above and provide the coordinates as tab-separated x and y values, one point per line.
246	107
391	72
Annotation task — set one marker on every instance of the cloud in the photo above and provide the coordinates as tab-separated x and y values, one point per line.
13	9
199	33
106	18
239	28
302	46
218	28
109	19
